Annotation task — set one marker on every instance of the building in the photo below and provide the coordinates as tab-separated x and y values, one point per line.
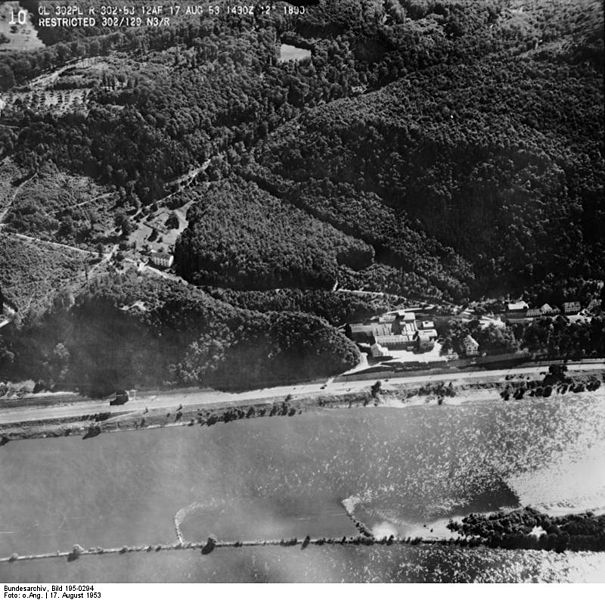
548	310
396	330
386	318
571	308
470	346
427	330
362	333
516	312
517	306
396	342
424	342
378	351
595	305
534	313
162	259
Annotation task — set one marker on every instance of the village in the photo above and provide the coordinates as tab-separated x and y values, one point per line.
413	337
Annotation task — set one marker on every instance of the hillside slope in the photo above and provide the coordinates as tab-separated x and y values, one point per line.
500	160
443	150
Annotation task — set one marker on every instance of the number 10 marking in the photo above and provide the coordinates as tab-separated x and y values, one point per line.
21	17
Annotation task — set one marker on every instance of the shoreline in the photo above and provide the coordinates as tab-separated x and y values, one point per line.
100	418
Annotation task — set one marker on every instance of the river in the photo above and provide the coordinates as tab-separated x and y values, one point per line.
403	470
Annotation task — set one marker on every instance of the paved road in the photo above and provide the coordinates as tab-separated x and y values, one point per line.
170	401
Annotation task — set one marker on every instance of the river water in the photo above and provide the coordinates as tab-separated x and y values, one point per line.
400	470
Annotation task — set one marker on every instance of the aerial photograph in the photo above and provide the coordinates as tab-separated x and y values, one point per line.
302	292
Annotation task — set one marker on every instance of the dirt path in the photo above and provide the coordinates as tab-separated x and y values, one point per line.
28	238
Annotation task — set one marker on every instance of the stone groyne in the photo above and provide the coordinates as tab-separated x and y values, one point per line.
211	544
349	505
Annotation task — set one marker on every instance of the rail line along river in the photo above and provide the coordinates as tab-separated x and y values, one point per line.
398	470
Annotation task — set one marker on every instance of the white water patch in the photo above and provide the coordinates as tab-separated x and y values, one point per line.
350	503
383	521
183	513
573	484
384	529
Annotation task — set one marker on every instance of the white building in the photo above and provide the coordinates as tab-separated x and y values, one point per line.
517	306
162	259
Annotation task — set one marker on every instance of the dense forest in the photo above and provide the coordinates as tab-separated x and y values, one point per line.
445	150
243	238
507	174
122	331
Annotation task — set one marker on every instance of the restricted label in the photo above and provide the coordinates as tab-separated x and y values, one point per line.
123	15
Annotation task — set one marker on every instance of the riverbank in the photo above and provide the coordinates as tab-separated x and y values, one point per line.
207	408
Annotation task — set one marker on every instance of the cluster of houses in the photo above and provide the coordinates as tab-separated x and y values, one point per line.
399	330
395	330
520	312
